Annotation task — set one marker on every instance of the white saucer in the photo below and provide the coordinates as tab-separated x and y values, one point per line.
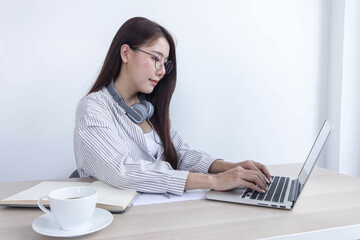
47	225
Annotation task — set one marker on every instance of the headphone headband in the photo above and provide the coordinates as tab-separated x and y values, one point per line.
138	112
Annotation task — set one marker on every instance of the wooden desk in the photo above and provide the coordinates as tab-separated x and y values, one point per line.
320	206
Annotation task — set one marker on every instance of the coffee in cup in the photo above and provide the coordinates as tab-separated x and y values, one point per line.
72	207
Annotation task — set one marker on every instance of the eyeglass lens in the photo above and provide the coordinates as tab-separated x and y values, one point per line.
159	62
168	66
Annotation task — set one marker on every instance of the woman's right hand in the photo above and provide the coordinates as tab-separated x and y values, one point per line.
237	177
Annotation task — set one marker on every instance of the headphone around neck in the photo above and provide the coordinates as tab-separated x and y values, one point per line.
138	112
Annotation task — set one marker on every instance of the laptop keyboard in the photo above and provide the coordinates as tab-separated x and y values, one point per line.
276	193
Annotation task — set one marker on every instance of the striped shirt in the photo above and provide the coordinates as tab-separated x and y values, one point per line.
111	148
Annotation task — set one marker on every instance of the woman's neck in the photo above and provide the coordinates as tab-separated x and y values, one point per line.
126	90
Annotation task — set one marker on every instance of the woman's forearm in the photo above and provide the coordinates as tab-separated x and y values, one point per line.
230	175
220	165
199	181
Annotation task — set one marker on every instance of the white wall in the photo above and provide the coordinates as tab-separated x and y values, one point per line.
350	104
343	87
252	76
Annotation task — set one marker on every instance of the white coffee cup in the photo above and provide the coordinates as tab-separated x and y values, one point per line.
72	207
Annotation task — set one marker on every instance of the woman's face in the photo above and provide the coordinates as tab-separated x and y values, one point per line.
141	66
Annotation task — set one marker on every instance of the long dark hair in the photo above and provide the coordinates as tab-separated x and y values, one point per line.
136	32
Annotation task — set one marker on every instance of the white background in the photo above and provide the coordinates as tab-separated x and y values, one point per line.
252	76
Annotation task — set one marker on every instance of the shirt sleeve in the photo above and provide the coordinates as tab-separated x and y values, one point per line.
100	152
190	159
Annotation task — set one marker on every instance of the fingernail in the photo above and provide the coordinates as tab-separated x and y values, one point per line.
263	191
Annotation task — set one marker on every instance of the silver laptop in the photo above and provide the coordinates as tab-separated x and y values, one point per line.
283	191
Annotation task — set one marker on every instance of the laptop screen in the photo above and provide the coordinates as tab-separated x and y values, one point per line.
314	154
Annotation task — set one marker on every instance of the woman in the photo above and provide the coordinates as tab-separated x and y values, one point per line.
136	147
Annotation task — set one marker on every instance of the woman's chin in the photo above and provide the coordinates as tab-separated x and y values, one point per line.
148	90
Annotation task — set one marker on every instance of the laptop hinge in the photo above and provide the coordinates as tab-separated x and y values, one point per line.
294	190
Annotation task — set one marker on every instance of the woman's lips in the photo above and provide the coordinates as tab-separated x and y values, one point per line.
154	82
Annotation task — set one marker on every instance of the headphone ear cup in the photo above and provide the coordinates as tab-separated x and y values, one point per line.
145	109
141	110
149	107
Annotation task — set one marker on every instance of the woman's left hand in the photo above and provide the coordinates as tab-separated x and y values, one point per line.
256	166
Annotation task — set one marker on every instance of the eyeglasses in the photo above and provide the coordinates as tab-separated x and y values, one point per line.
159	61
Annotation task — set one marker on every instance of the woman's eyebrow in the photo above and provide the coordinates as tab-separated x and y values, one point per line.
160	54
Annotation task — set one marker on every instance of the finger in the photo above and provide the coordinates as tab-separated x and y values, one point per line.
255	178
263	169
255	172
252	165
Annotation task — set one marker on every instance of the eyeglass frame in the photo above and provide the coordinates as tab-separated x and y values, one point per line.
155	59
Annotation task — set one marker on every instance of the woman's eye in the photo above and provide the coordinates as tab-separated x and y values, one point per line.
157	59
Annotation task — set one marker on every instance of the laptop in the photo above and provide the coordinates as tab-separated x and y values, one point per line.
283	191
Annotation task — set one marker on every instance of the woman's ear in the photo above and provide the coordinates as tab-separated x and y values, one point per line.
125	53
